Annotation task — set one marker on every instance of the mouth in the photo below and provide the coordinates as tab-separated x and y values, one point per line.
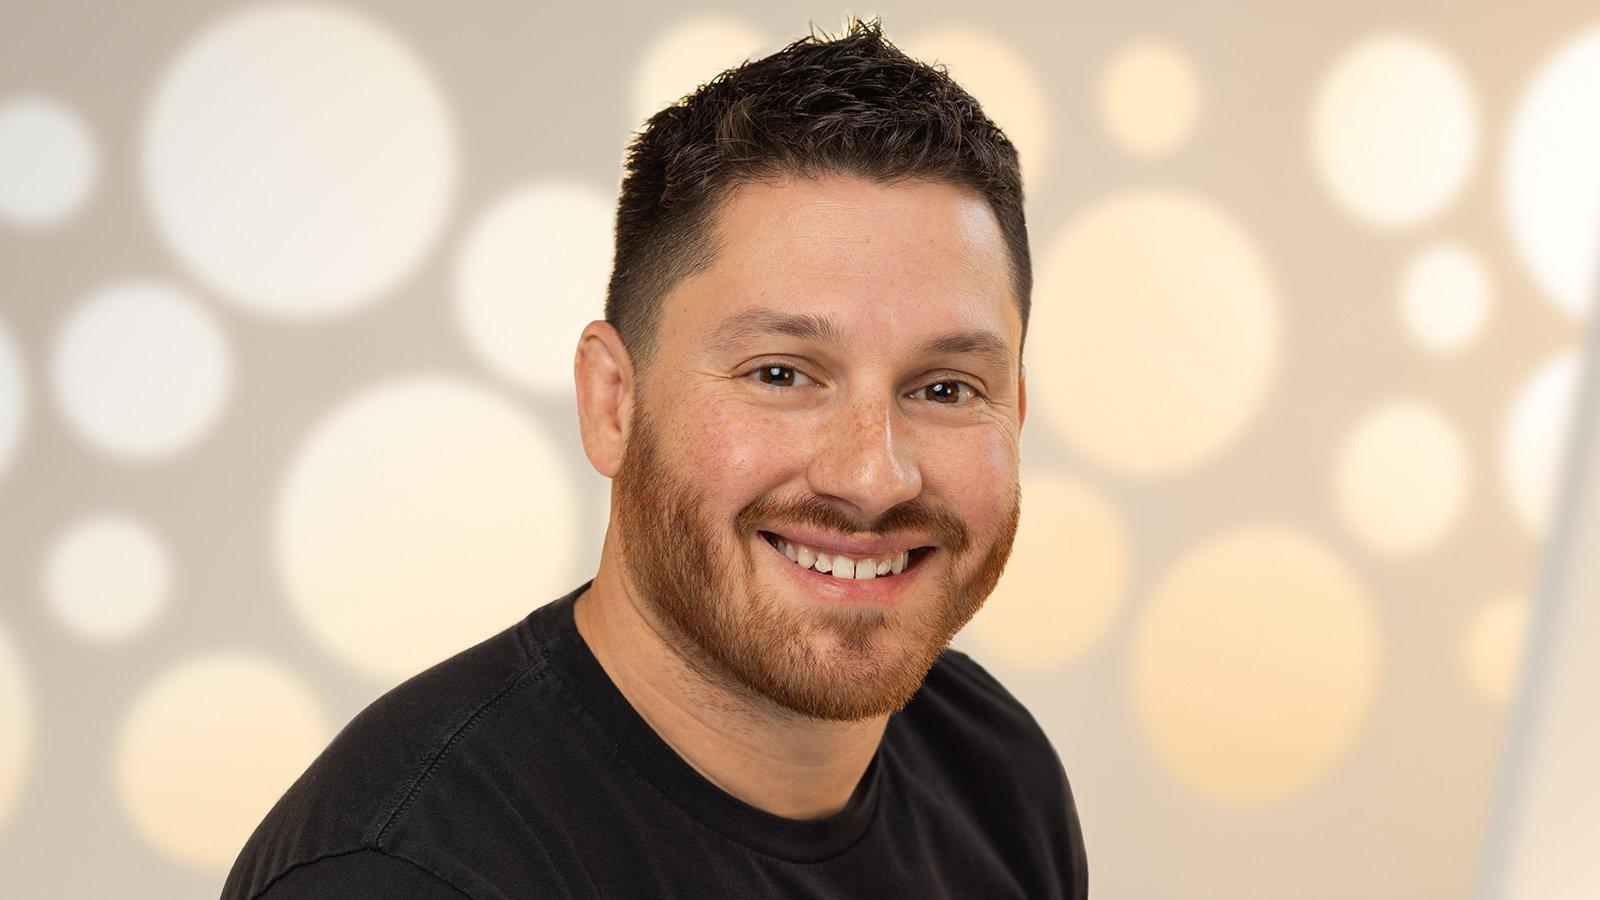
881	580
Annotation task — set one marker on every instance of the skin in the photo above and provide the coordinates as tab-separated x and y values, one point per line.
773	691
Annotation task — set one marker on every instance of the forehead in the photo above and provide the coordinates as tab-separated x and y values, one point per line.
913	255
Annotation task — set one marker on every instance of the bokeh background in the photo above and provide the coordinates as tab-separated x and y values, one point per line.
288	299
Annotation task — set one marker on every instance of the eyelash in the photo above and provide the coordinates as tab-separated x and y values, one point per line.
976	394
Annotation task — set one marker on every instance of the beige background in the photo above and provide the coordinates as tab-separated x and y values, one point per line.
287	293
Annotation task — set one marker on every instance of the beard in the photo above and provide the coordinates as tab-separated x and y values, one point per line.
822	662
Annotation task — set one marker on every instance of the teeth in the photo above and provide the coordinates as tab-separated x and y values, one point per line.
844	567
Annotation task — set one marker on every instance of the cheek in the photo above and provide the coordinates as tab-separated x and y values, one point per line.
971	475
748	452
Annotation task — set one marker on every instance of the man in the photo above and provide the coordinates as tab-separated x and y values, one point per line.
808	391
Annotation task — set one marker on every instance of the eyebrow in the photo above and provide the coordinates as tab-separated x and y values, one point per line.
739	328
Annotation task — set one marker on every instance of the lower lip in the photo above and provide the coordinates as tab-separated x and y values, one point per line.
881	591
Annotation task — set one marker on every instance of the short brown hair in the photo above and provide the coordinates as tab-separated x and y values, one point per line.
853	105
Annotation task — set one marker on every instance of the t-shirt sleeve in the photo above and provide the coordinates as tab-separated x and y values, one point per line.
1076	858
360	873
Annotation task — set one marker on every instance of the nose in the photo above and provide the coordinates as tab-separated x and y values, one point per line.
865	460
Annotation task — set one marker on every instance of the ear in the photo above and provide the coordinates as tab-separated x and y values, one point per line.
603	372
1022	395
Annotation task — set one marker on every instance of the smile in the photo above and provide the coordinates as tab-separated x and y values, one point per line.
845	568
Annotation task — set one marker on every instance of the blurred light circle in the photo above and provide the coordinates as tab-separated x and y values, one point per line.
208	747
107	577
1394	130
1533	440
1550	181
140	370
16	728
1149	98
1493	651
532	273
1402	477
1444	297
299	159
1155	332
418	518
1003	82
687	55
1066	580
13	400
1254	667
48	163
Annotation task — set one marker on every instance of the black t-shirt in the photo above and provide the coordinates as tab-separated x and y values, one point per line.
517	769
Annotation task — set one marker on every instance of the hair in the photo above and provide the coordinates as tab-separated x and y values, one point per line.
851	105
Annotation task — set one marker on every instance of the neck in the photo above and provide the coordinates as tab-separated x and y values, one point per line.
770	757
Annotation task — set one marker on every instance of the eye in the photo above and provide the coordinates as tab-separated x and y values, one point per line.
781	376
949	392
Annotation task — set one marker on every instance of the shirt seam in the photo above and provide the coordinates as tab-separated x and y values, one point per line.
432	760
426	870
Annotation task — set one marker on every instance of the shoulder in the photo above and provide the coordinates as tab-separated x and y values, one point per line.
330	824
987	747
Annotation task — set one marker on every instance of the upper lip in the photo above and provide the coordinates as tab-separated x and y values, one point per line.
865	546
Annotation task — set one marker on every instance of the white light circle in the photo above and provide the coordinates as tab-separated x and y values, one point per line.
140	370
1254	666
1551	183
1444	297
107	577
206	749
13	400
420	517
1402	477
1394	130
299	159
48	162
687	55
531	274
1149	98
1155	334
1533	441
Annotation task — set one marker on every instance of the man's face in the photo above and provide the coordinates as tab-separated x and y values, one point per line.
842	380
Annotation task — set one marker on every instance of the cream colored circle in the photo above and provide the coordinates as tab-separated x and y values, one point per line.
107	577
48	161
1066	580
1394	130
1550	183
1444	297
1492	653
1533	440
1149	98
422	516
1402	477
531	274
1254	665
1004	84
208	747
16	728
1154	334
299	158
687	55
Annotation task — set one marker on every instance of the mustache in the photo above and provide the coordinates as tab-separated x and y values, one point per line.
910	516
